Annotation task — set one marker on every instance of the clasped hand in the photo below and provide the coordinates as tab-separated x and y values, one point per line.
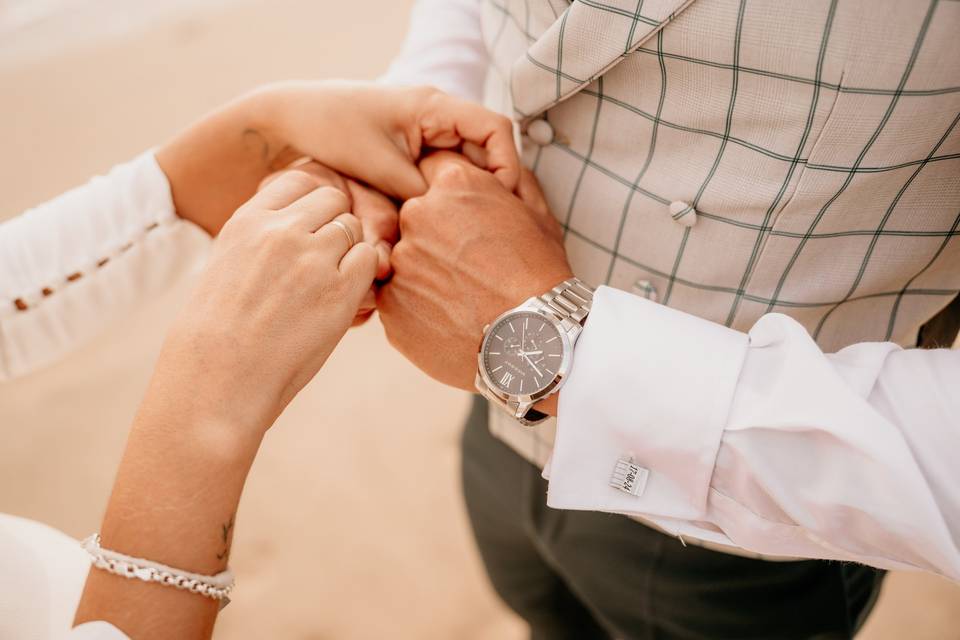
467	243
469	250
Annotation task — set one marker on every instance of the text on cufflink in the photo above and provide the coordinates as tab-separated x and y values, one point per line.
629	477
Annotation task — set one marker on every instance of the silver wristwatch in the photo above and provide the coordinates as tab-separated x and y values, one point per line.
527	352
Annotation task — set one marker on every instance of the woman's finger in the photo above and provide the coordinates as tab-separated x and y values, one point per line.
340	235
390	169
367	306
318	207
285	189
380	220
448	121
377	213
359	265
475	153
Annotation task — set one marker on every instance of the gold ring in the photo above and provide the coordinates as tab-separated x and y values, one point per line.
347	232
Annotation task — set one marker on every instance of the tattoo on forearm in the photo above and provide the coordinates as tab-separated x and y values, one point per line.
227	538
252	139
274	157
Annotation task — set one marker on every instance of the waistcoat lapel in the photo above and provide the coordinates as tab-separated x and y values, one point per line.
588	38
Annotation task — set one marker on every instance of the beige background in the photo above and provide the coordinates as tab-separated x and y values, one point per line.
351	525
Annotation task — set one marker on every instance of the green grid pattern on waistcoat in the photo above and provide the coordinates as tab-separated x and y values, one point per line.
823	91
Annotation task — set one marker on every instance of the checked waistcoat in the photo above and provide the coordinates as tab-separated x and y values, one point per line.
732	158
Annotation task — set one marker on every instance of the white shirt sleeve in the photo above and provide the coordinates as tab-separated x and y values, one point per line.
71	265
761	440
443	48
98	630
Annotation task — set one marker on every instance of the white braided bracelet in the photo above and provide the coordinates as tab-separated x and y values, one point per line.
217	587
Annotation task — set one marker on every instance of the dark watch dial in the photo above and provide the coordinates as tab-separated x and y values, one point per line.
522	353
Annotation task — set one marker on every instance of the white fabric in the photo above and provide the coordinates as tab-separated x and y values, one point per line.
125	218
98	630
41	576
762	440
443	48
843	456
43	572
120	233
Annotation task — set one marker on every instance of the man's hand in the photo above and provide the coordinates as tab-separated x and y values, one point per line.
468	251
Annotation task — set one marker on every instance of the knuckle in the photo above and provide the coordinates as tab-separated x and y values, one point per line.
399	255
368	257
298	179
353	222
320	173
337	198
503	122
412	210
426	93
452	173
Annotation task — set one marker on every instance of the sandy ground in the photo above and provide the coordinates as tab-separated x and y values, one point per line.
352	524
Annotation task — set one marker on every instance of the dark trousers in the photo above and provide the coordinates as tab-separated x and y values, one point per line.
583	575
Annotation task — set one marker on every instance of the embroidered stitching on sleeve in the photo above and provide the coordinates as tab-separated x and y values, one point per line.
20	304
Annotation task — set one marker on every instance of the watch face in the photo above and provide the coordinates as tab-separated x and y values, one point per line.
522	353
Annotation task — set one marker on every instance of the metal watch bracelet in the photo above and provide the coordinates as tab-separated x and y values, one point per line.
569	304
571	299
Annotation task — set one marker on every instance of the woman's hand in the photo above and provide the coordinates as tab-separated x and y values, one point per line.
281	288
377	133
372	133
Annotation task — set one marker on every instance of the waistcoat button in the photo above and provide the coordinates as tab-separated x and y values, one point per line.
683	213
645	289
540	132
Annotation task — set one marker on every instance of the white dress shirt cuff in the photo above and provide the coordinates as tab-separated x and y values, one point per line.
651	383
443	48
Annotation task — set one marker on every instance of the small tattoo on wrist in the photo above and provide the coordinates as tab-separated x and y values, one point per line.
227	528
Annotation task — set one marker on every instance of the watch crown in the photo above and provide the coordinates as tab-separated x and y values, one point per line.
486	328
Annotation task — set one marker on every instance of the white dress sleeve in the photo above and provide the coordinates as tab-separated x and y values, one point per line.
43	573
71	265
443	48
761	440
98	630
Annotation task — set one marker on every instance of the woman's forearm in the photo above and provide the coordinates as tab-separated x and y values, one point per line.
278	293
217	163
174	502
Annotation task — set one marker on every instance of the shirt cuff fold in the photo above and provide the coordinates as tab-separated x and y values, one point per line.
649	383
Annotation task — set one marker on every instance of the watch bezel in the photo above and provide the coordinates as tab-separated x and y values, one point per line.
566	359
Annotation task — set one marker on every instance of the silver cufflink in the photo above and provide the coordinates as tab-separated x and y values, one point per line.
629	477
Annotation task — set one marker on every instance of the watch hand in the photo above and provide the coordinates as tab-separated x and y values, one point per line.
530	362
530	353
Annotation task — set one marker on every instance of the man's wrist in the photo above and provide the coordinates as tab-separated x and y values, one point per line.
549	405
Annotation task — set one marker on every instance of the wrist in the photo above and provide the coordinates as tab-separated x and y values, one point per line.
216	165
199	405
275	109
549	405
196	433
532	285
